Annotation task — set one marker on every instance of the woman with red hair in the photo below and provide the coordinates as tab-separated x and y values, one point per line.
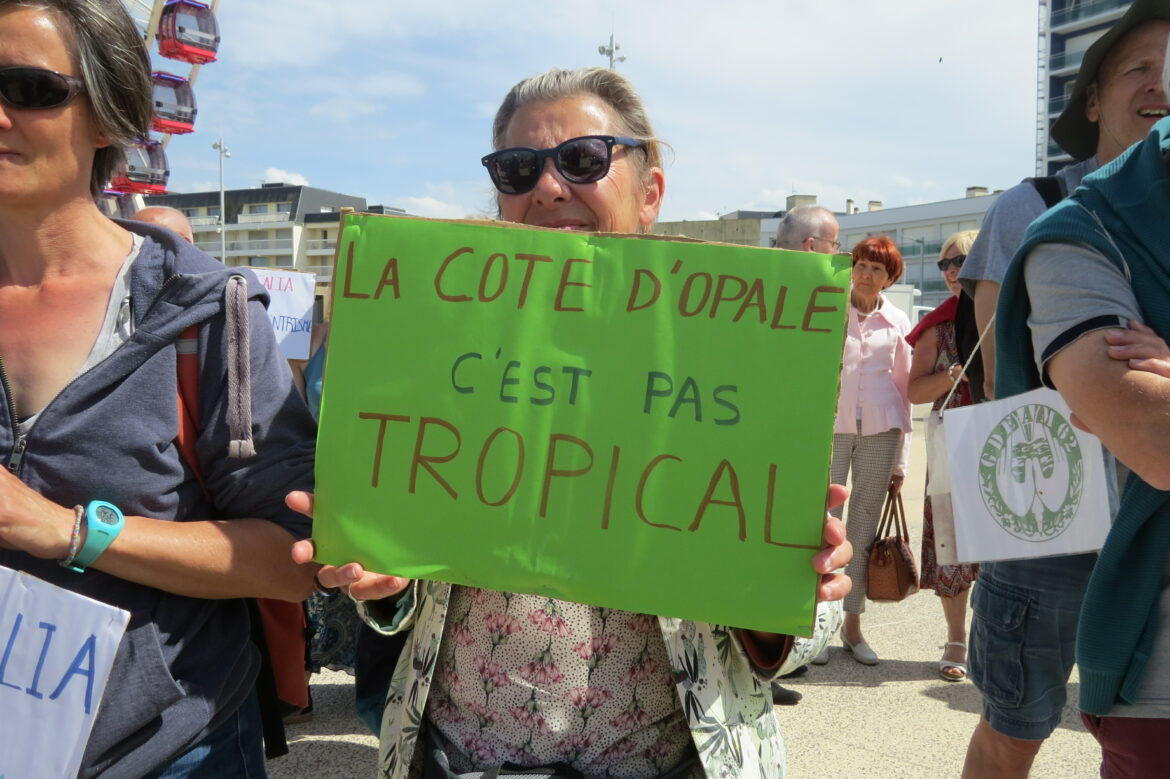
873	417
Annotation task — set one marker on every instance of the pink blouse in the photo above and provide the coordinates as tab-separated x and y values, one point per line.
875	374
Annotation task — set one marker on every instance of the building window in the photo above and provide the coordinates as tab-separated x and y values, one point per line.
213	210
324	235
258	208
285	261
284	208
258	262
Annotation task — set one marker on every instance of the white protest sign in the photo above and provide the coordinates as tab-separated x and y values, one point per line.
1024	482
291	309
56	650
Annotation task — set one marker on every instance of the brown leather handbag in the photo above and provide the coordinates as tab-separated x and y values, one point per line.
893	574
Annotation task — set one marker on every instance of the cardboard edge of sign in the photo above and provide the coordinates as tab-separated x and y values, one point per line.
347	211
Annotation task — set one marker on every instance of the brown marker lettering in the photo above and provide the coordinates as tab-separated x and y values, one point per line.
723	467
389	279
483	453
425	460
345	290
383	419
443	269
813	308
531	259
642	488
565	271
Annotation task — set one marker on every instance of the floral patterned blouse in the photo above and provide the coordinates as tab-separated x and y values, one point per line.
726	701
536	681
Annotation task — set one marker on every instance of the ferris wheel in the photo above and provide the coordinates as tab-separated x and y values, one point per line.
182	36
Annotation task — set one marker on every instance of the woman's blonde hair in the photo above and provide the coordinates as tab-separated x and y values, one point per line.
961	240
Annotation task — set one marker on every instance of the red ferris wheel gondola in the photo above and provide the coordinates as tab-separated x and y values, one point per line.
188	31
174	104
146	171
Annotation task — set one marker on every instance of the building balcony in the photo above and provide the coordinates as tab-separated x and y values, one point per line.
1057	104
249	219
1065	60
324	272
911	252
1084	11
320	247
203	221
271	246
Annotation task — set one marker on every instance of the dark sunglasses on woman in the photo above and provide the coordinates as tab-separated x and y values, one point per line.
957	261
581	160
34	88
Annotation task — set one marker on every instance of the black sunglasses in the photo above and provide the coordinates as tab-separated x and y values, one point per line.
957	261
581	160
32	88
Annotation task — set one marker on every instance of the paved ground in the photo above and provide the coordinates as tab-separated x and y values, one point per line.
896	719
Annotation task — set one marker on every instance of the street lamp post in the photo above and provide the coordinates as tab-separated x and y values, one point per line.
223	152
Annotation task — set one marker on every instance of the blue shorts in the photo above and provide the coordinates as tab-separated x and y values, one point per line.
1023	640
234	749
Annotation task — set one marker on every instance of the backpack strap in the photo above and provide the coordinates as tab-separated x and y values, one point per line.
187	387
1050	188
187	360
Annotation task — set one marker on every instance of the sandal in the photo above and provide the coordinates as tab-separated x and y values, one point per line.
952	670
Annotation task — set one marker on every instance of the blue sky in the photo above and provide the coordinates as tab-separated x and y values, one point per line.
904	102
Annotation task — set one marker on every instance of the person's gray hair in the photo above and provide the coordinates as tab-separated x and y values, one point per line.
111	57
800	224
606	85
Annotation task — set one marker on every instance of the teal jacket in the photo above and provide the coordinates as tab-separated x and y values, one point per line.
1123	211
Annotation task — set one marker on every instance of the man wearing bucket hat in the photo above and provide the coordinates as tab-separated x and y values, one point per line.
1024	626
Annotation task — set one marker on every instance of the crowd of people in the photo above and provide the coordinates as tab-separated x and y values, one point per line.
181	489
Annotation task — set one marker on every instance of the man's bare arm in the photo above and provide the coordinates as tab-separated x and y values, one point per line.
1129	410
986	298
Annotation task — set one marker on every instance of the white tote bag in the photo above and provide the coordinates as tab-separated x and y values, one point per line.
1024	482
938	490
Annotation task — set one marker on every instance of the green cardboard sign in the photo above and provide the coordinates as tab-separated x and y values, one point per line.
632	422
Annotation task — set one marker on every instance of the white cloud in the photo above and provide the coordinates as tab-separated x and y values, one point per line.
389	85
278	176
438	209
342	109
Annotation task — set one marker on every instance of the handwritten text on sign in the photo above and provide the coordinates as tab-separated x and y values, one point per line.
290	309
57	650
632	422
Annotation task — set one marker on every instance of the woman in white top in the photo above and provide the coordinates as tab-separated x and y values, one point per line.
873	416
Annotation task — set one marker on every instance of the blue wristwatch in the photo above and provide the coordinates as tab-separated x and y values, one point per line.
103	523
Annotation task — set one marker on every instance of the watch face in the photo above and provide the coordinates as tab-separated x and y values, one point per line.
106	515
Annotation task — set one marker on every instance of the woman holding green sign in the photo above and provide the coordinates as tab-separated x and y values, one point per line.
510	681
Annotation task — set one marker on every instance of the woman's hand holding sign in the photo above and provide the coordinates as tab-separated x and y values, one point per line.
357	582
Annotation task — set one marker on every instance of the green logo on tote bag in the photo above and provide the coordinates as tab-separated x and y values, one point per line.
1031	473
